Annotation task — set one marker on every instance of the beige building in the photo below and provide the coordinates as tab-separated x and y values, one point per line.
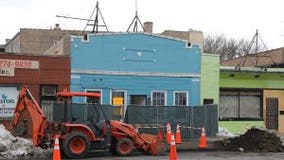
192	36
36	41
41	41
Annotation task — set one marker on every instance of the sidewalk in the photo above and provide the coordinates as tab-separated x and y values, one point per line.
213	143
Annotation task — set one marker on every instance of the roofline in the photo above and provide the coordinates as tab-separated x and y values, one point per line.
210	54
251	69
12	39
38	29
31	55
252	55
125	33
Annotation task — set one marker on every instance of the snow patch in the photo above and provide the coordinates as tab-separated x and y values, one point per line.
16	147
223	132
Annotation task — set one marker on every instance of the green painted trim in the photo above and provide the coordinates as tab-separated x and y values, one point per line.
251	80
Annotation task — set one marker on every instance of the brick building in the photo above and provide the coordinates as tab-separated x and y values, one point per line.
44	76
271	58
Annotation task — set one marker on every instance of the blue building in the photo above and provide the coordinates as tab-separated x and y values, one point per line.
141	68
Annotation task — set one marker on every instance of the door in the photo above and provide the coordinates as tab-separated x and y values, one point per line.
272	113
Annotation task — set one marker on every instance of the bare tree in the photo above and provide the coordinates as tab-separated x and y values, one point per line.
229	48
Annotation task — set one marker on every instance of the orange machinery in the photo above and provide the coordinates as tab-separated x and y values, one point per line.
76	139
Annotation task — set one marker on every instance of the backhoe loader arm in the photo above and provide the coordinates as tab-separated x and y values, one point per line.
27	103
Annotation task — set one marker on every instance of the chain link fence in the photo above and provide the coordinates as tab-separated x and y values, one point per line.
191	118
146	118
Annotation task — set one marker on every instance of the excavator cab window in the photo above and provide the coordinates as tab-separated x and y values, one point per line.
96	117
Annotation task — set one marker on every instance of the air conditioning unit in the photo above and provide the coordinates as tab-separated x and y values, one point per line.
48	91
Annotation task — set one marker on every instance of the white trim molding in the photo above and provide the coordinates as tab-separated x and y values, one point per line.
125	73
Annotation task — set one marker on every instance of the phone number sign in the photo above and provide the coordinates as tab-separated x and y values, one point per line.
19	63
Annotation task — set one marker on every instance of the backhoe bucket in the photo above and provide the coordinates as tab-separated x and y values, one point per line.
157	147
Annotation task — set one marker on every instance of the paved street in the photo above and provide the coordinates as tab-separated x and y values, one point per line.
194	155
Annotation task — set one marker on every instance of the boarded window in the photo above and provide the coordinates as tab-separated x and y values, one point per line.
228	107
244	104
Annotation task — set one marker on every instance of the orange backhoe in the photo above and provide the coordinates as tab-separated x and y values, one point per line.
78	139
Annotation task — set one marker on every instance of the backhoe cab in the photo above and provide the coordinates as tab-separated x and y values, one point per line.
76	138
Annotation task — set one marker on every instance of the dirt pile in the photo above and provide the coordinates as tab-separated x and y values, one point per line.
255	140
16	147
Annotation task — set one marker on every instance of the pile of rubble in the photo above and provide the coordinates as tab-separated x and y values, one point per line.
255	140
16	147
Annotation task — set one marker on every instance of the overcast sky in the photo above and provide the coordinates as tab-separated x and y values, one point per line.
234	18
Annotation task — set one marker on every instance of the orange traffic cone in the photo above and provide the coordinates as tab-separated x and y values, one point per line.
173	149
56	150
202	142
169	133
178	136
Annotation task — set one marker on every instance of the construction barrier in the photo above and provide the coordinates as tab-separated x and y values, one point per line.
148	118
189	118
178	139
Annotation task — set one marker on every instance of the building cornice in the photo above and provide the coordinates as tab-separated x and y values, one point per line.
127	73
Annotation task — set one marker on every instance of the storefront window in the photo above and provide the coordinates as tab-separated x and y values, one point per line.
240	104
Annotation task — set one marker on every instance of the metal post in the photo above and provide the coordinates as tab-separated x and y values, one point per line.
157	118
190	122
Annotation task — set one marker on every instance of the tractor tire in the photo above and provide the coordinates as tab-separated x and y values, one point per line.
75	145
124	147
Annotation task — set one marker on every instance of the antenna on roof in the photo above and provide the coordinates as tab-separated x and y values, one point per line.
135	21
253	52
94	23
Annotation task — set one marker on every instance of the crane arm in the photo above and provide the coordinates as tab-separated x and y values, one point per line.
27	103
